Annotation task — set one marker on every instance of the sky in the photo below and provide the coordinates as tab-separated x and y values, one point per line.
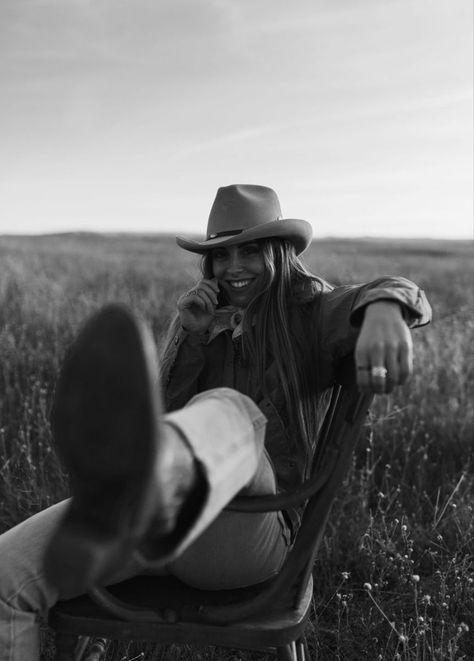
127	115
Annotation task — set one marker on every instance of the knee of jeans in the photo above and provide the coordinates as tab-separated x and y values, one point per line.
264	480
224	395
23	585
243	403
30	594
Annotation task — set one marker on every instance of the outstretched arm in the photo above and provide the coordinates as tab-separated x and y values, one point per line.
372	321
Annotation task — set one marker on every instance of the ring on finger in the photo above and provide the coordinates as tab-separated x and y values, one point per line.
378	371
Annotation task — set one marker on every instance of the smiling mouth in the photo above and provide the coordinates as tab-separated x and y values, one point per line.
239	284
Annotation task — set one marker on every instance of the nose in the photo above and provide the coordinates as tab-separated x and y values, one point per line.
235	264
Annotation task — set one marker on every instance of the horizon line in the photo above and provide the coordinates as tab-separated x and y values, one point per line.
169	234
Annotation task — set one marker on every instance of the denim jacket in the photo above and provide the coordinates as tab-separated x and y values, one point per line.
333	315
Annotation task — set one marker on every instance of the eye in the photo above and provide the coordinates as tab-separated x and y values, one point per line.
250	248
219	254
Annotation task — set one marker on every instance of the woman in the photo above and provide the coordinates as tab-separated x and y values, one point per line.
249	362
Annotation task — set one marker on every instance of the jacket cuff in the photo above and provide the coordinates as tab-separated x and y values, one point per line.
411	312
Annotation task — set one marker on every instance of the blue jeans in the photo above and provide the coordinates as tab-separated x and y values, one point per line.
221	549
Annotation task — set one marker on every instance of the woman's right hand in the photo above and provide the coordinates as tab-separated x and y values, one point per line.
196	307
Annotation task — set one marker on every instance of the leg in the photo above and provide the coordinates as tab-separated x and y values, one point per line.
225	431
136	475
25	592
237	549
107	434
221	557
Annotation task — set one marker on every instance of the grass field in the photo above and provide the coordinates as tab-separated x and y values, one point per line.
395	575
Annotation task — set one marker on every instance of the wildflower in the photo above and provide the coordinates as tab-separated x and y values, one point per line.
367	587
415	578
403	639
345	575
427	598
404	528
463	627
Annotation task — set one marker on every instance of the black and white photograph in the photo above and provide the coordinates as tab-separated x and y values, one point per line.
236	330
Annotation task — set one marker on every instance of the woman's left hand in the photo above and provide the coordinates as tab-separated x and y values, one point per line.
384	348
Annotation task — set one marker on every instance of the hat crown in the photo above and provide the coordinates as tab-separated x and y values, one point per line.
241	207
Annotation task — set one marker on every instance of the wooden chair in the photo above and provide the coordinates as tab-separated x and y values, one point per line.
272	615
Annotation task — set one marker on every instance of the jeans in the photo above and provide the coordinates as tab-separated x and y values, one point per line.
219	550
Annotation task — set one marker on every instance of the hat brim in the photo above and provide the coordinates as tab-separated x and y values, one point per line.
298	232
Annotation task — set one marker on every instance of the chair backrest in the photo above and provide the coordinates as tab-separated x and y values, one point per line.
339	434
337	439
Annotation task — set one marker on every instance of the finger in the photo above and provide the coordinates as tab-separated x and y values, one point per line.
189	299
205	286
405	360
378	377
214	284
362	367
391	363
203	296
363	378
377	359
211	301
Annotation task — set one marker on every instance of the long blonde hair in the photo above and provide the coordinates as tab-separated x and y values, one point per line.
276	329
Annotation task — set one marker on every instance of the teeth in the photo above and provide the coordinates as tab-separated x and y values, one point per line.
237	284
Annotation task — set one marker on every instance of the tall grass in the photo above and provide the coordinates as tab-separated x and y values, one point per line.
395	575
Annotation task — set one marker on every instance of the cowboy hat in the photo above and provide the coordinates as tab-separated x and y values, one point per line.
243	213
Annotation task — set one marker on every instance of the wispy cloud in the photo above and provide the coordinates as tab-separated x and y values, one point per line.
232	139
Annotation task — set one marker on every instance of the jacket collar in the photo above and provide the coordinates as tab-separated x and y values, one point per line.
226	318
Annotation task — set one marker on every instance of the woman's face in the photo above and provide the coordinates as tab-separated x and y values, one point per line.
239	271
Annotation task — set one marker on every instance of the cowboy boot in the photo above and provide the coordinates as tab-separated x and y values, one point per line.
129	472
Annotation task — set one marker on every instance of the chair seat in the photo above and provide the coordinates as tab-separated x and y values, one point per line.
279	625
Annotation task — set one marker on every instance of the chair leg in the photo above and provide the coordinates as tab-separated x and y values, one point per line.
70	647
302	650
97	650
287	653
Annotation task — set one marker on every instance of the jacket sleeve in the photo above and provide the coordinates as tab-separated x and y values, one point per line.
170	347
341	313
412	299
182	361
